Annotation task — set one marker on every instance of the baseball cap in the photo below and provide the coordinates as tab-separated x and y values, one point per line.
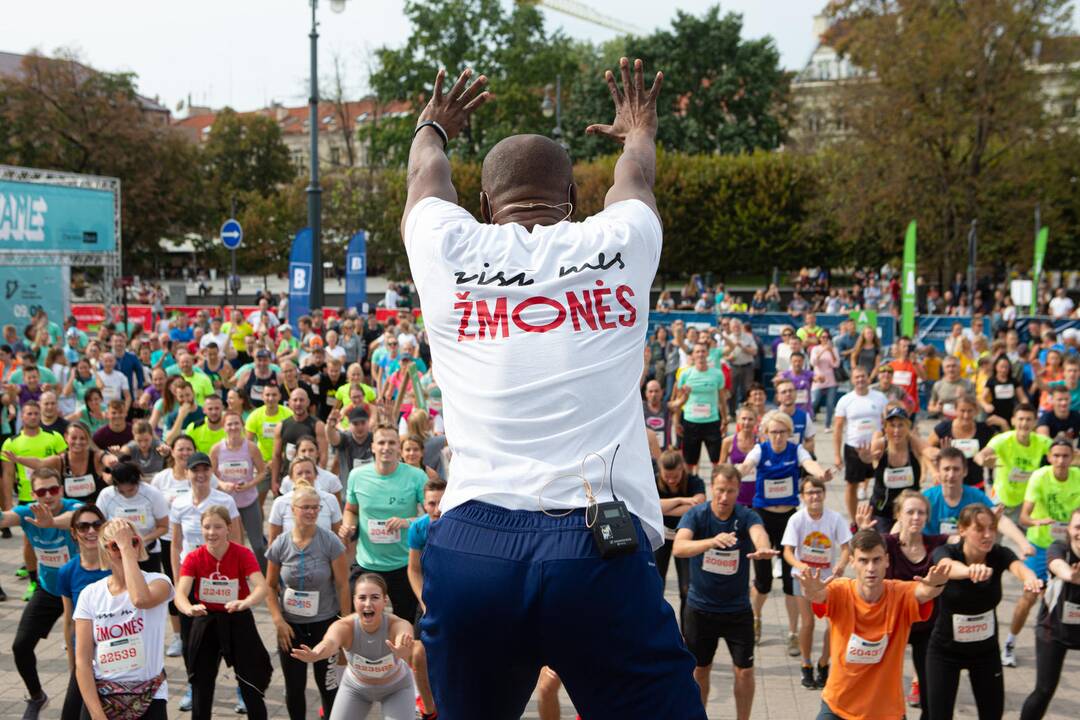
357	414
262	353
897	412
197	459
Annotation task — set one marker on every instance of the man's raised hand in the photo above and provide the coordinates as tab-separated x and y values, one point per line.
451	110
635	107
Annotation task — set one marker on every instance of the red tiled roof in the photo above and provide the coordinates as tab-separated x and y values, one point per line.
294	120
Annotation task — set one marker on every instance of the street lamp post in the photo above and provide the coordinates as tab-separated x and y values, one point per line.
549	108
314	192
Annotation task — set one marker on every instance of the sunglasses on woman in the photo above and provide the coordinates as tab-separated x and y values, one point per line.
88	525
51	490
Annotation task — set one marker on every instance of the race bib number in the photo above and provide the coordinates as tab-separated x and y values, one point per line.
137	517
79	486
660	439
120	655
968	446
1004	392
778	488
1070	613
290	451
373	669
669	533
52	557
720	562
379	534
1017	475
219	591
1060	531
802	397
361	462
700	411
303	603
865	426
110	393
861	651
815	555
256	393
948	409
973	628
898	478
947	527
902	378
268	430
234	470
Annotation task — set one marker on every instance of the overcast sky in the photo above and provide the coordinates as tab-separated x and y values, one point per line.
245	53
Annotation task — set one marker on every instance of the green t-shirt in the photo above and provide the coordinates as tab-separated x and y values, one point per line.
1054	499
263	426
47	376
200	382
702	405
1015	463
342	394
204	437
379	498
44	444
287	346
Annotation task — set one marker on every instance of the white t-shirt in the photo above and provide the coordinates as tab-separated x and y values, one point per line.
172	488
335	352
816	542
113	385
325	481
281	511
129	642
862	415
218	339
1060	307
189	516
539	368
143	509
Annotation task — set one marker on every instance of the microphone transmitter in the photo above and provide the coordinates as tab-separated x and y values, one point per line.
613	530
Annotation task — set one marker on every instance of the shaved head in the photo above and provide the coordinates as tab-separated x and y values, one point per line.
526	169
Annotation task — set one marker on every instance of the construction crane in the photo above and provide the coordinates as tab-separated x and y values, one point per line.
586	13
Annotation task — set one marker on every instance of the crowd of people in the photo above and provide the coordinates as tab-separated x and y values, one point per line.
995	458
139	466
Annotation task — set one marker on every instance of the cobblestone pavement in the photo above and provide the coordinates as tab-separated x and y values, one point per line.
779	695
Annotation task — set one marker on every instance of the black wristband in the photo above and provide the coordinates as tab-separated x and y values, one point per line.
436	127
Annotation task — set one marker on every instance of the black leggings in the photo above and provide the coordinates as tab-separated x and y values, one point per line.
919	640
1049	657
662	556
943	680
250	662
167	568
158	710
38	618
774	523
73	702
401	594
295	671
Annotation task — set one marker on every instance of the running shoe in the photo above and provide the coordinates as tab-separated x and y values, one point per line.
792	644
34	706
913	696
757	631
186	701
1008	655
240	708
22	572
175	648
808	677
30	588
5	533
3	595
777	568
822	676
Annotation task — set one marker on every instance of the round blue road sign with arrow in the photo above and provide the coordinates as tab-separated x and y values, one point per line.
231	234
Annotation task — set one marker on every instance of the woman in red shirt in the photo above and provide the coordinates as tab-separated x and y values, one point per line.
227	583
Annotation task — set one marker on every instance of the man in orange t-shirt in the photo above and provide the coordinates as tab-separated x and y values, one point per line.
870	619
907	371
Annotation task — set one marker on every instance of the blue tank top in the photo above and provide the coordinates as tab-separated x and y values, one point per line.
799	418
777	476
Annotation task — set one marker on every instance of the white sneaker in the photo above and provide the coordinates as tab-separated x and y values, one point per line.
175	648
777	570
1008	655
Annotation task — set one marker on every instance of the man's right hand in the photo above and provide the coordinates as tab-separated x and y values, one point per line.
635	109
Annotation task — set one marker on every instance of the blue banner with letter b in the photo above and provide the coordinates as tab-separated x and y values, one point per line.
356	272
300	277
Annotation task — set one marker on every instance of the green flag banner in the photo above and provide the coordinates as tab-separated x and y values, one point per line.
1036	271
907	297
863	318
